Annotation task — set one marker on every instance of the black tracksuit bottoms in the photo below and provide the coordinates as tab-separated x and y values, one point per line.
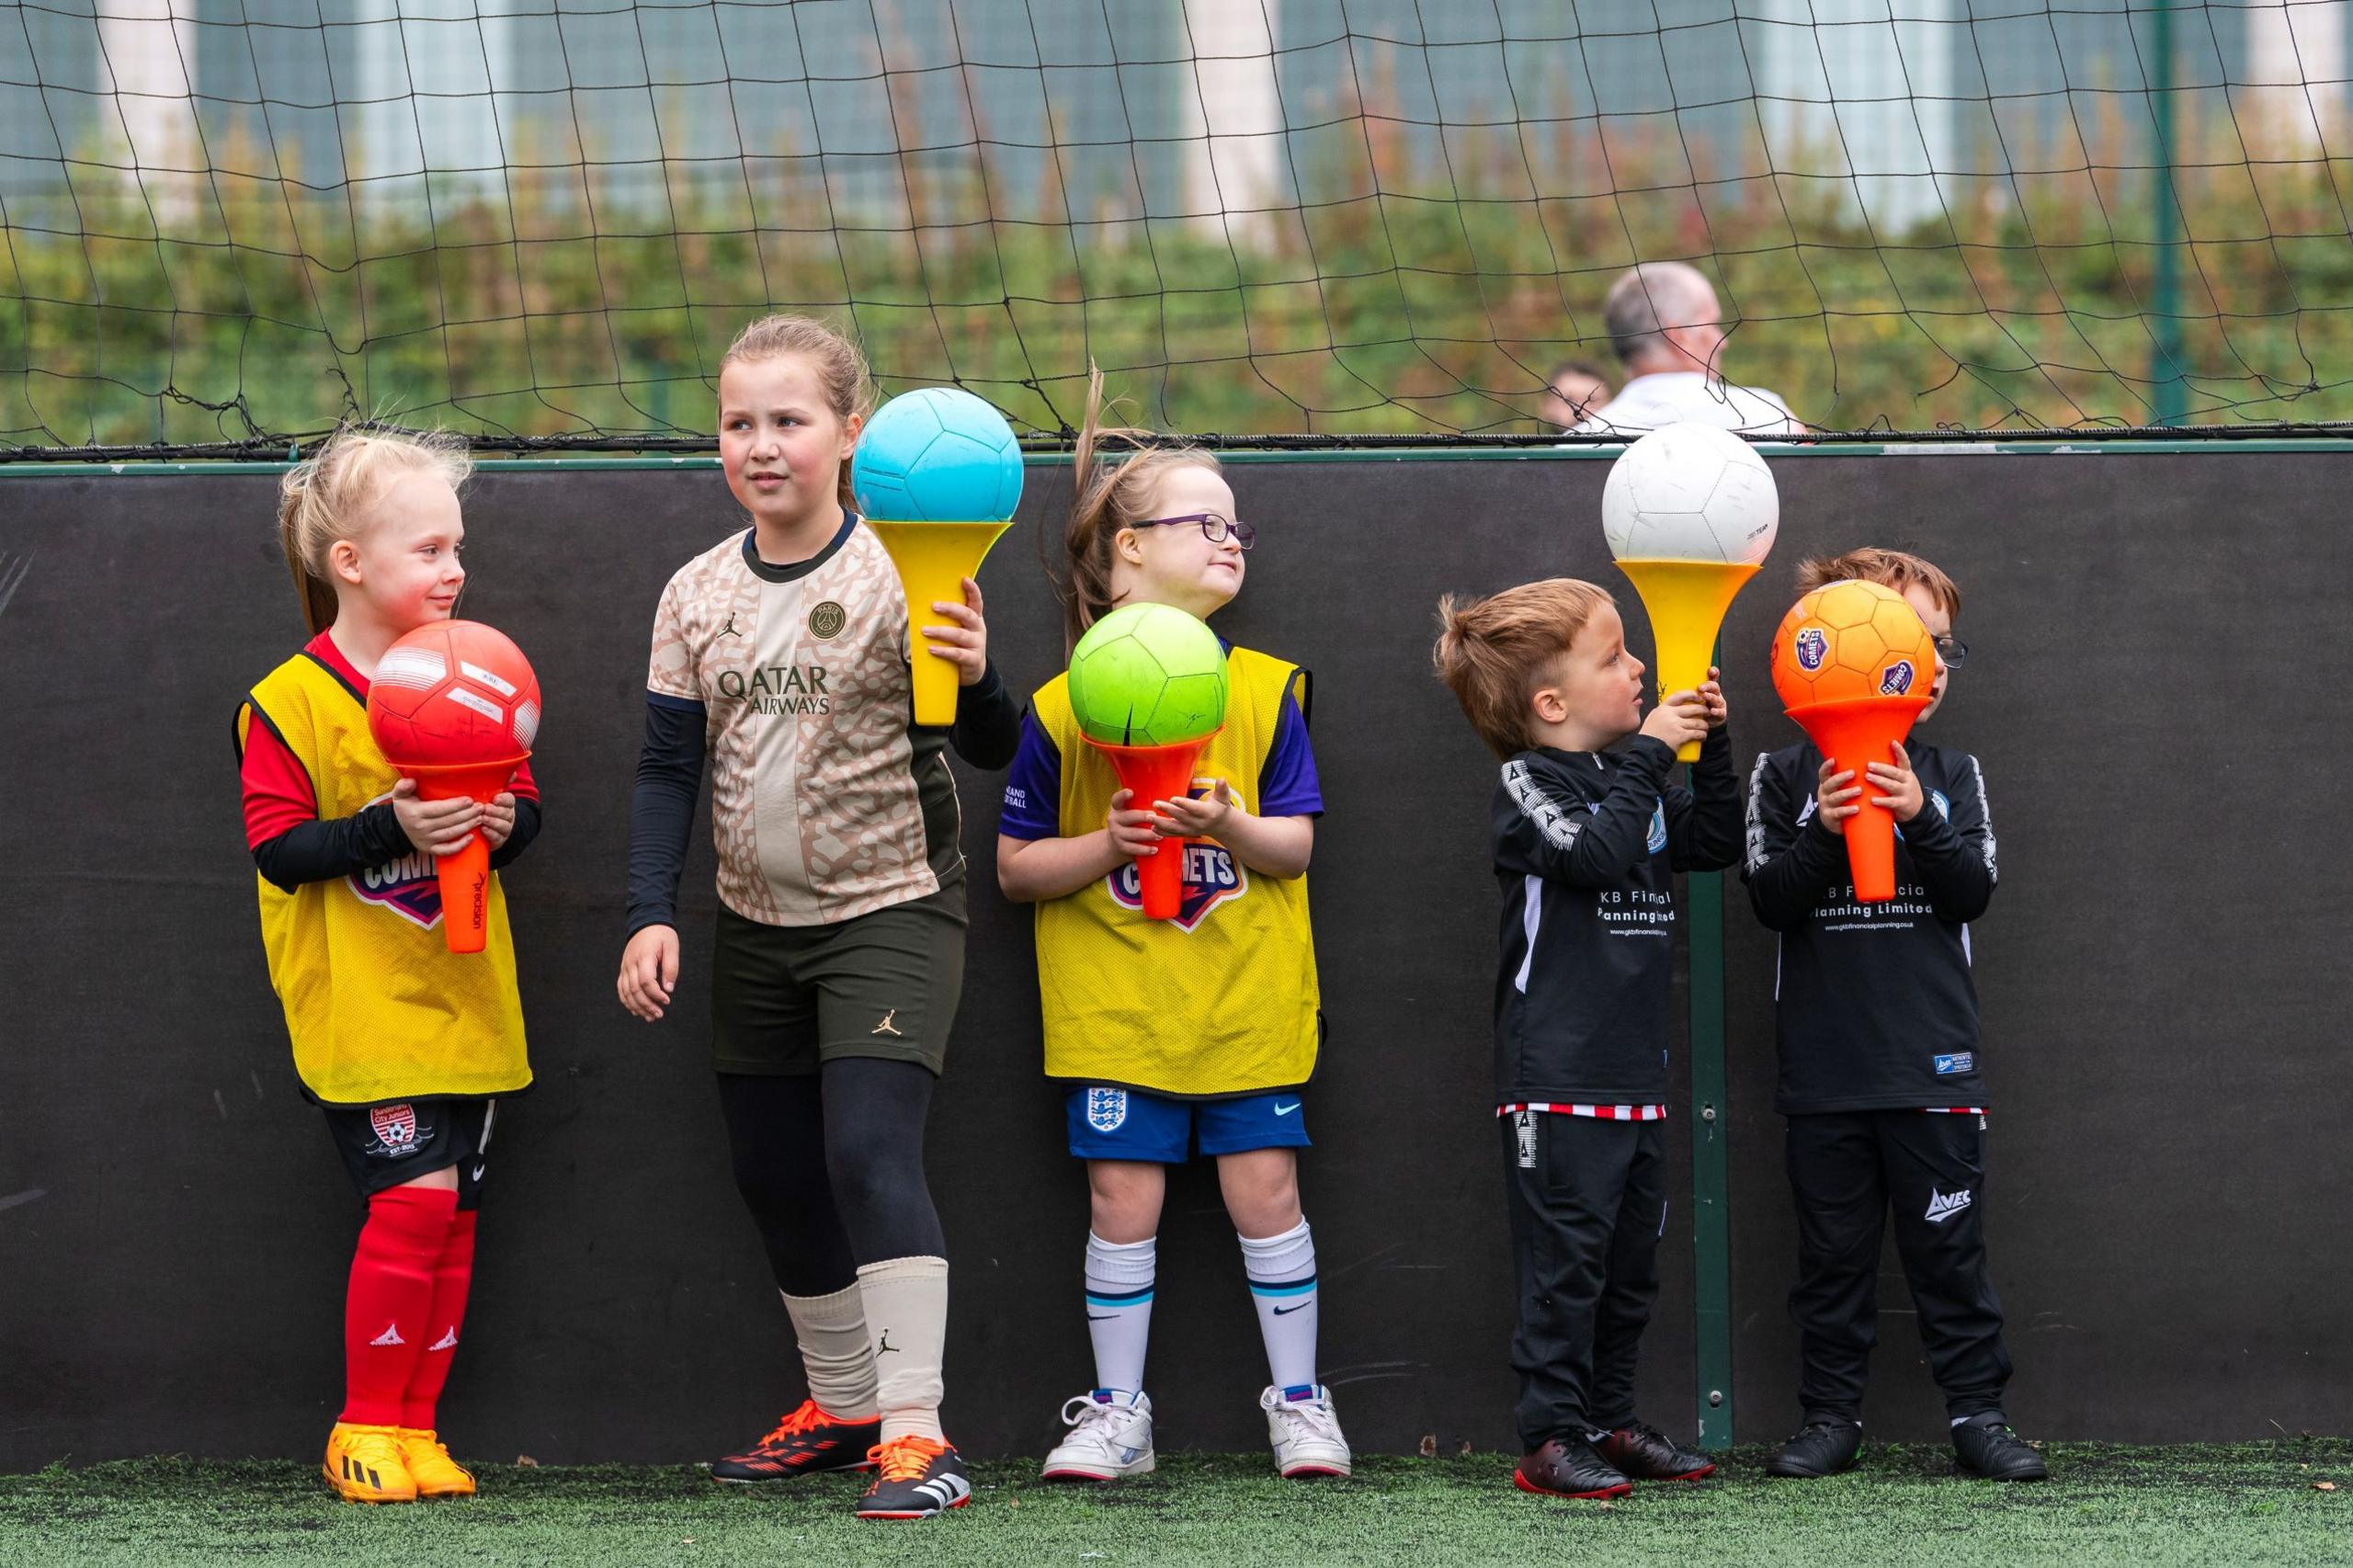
1847	1170
1588	1202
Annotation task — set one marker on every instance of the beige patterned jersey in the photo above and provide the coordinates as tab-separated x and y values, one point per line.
824	807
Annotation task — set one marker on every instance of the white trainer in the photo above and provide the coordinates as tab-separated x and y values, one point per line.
1110	1436
1305	1433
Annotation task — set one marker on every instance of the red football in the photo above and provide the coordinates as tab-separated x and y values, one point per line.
454	694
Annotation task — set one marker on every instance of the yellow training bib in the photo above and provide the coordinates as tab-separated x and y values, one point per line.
1222	1000
378	1006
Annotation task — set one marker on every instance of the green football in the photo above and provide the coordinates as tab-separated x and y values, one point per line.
1148	675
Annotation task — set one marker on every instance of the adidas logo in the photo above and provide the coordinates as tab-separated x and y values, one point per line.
449	1340
1944	1206
392	1335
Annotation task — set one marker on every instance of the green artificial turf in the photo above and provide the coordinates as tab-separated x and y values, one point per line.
2250	1503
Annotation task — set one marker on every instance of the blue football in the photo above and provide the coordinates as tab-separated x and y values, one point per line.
937	454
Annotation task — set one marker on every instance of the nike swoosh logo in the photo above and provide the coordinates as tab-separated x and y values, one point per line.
1286	1109
1300	1308
1100	1317
478	1170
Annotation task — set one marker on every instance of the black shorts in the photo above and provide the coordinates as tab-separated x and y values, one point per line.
786	999
385	1146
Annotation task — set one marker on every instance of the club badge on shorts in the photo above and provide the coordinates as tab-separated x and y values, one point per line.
1107	1110
395	1127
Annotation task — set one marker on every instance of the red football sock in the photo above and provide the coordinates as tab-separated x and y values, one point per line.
384	1310
452	1279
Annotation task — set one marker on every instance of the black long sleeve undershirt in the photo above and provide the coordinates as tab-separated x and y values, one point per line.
322	850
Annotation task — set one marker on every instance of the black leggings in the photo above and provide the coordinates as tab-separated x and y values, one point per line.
831	1167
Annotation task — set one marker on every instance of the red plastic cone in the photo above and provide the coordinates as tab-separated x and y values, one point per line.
464	876
1851	735
1149	774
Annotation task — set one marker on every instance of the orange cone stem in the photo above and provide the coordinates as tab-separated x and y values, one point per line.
1852	735
1149	774
464	876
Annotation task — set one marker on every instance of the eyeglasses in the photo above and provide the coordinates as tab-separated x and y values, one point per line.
1953	652
1214	528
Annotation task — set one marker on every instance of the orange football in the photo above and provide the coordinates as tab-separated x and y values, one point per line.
1850	640
453	694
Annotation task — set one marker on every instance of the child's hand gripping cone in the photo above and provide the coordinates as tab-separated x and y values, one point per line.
454	706
1855	667
937	476
1148	685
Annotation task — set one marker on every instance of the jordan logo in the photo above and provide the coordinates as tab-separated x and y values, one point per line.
729	629
392	1335
449	1340
885	1027
886	1348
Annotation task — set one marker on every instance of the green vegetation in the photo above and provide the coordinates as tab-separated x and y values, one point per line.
226	308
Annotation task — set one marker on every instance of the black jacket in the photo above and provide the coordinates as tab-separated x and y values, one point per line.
1587	845
1876	1007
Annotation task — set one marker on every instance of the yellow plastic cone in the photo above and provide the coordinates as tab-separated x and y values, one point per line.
933	560
1686	601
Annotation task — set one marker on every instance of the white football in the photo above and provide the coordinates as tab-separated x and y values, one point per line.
1691	492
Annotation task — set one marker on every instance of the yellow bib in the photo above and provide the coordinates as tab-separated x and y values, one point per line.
378	1006
1222	1000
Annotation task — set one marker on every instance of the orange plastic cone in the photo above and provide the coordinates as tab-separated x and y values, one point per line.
933	560
464	876
1686	601
1149	774
1852	734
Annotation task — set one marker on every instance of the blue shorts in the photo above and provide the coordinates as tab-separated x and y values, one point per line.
1132	1124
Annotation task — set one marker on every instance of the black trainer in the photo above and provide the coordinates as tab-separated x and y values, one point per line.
1986	1445
1826	1445
916	1479
803	1443
1569	1467
1642	1452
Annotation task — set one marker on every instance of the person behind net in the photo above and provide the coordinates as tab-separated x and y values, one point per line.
403	1043
780	655
1587	836
1192	1034
1882	1070
1668	329
1574	390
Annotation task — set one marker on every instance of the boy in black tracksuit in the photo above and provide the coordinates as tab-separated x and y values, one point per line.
1587	842
1880	1057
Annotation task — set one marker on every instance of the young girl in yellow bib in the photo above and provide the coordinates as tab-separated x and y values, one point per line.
1191	1035
401	1042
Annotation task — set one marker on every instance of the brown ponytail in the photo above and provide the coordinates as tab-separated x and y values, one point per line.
1105	502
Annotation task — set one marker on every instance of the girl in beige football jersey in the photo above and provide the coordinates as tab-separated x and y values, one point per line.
781	654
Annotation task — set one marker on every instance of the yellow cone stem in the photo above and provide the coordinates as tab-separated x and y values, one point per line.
1686	601
934	558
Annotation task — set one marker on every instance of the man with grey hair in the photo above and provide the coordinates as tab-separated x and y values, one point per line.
1665	325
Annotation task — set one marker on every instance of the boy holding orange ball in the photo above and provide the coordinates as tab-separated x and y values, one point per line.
1877	1021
